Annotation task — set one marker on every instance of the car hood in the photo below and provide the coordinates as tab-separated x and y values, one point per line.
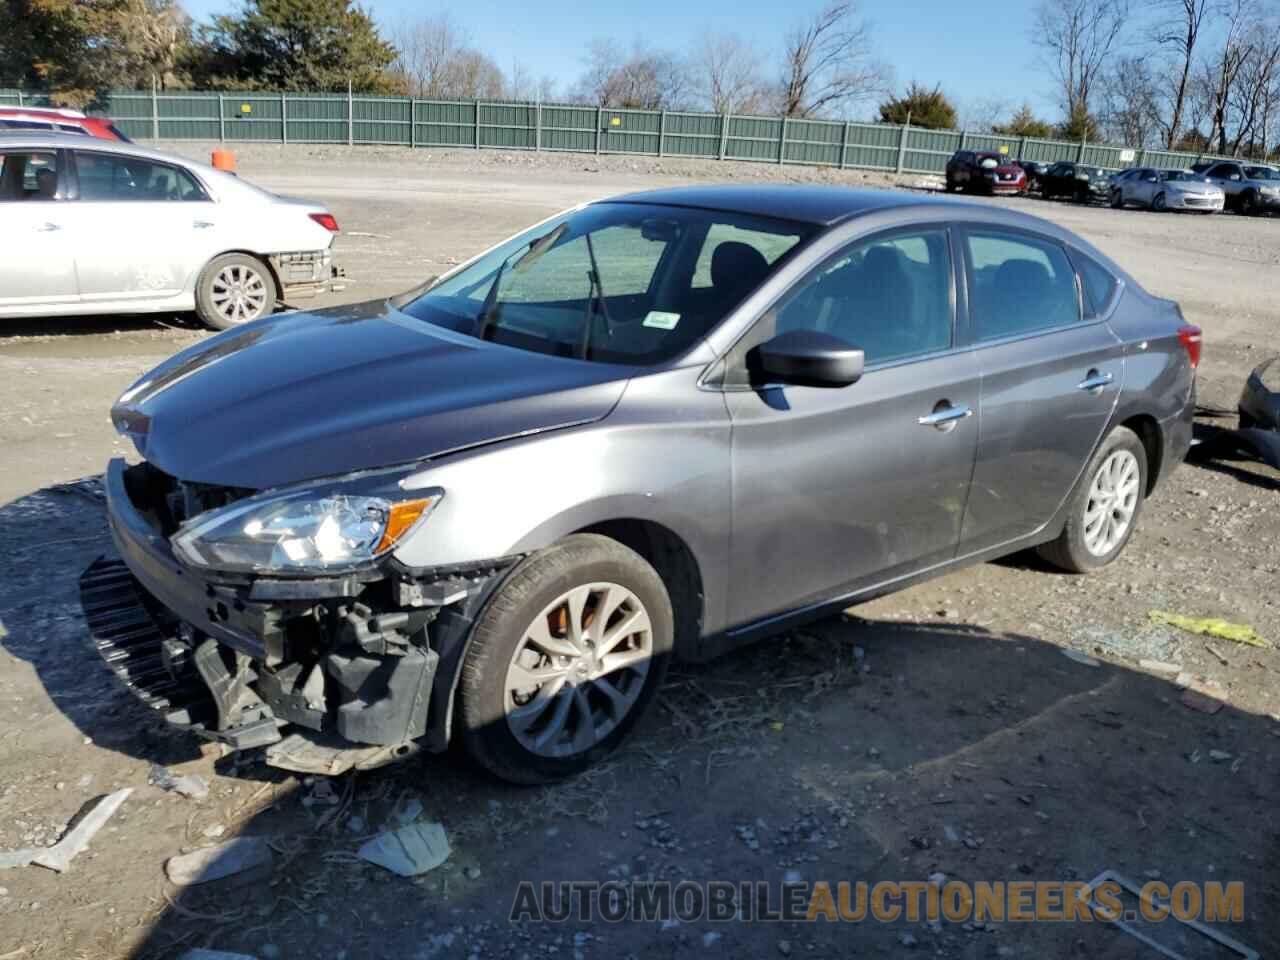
1191	187
306	395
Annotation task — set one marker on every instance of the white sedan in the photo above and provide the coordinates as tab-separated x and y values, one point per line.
91	227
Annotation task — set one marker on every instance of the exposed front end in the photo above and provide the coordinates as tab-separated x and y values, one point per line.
326	670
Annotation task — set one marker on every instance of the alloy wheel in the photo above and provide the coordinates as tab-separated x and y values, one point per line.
578	670
239	293
1112	502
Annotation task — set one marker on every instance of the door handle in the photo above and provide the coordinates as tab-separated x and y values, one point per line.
202	224
1094	381
945	416
48	227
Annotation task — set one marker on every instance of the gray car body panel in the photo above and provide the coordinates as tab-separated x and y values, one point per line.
790	500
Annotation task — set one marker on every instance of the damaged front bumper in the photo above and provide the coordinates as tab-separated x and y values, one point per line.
327	673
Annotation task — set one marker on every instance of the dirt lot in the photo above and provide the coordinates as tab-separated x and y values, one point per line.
941	729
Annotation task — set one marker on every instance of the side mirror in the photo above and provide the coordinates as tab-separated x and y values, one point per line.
808	358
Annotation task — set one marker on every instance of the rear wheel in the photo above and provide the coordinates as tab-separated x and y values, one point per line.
1104	507
564	660
1249	203
234	289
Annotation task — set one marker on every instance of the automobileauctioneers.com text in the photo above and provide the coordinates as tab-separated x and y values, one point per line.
886	901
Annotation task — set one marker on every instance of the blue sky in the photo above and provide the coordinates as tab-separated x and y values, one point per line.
975	58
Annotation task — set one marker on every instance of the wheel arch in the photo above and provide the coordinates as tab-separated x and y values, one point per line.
262	258
1148	430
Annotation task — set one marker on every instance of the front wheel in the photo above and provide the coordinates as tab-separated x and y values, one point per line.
564	660
234	289
1104	507
1117	200
1160	204
1249	203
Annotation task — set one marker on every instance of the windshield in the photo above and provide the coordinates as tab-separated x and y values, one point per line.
1261	173
1182	175
613	282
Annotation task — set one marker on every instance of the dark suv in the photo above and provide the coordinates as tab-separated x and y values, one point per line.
1075	181
984	171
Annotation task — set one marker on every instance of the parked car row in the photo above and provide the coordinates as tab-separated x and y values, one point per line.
1210	187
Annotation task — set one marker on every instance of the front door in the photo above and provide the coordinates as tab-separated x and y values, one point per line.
1050	382
838	489
37	265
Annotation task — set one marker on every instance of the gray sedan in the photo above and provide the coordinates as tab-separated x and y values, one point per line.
492	510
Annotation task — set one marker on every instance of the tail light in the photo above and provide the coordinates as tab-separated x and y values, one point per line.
1190	337
325	220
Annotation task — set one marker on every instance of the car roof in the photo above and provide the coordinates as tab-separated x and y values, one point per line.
57	140
819	205
64	113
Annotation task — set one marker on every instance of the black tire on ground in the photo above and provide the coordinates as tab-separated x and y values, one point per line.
1249	206
1160	204
1117	200
258	288
536	582
1069	551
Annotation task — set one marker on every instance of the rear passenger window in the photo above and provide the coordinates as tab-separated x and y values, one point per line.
1018	285
889	295
28	175
1099	285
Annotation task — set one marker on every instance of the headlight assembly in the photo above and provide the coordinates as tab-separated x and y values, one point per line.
316	530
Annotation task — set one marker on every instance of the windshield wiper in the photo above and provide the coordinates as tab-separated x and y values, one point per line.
490	309
596	293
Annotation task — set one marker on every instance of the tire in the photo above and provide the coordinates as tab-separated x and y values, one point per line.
1117	200
531	613
1249	204
1078	548
1160	204
234	289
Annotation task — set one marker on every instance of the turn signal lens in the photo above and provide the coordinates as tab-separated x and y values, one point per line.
400	521
1190	338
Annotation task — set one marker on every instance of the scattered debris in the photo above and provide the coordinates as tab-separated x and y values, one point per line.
409	851
59	856
189	785
1218	756
1212	627
1079	657
222	860
1160	667
1135	931
1201	702
322	794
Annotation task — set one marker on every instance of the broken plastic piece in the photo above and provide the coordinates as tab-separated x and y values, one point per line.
409	851
216	862
314	753
191	786
73	842
1212	627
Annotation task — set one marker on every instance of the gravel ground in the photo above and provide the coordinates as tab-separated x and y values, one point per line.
938	730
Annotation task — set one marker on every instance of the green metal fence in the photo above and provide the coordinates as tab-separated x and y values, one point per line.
359	119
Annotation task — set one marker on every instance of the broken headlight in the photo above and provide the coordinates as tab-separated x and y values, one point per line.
308	531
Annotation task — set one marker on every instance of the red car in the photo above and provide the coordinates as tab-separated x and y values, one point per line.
62	120
985	171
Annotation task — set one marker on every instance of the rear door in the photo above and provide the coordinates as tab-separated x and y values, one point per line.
37	264
141	227
1051	375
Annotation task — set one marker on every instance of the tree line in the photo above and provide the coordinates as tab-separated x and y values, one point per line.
1199	75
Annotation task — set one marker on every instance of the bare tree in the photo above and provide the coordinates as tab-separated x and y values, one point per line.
1077	38
435	60
1130	109
726	74
1251	97
1221	70
985	114
645	79
1178	31
827	63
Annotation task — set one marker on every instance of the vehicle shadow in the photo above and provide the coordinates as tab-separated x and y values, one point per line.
854	749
